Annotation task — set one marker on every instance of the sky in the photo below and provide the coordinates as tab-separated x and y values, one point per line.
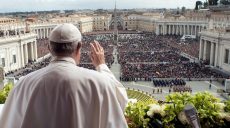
39	5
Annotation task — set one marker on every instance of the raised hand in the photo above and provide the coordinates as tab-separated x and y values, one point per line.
97	53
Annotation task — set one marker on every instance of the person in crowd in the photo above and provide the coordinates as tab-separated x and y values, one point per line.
210	84
64	95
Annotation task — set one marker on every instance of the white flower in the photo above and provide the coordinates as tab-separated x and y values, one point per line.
221	115
221	106
132	101
227	116
156	109
150	113
182	118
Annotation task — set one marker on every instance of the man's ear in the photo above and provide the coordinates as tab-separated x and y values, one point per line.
78	48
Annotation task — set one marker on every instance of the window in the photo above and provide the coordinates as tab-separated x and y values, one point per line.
3	62
14	59
226	56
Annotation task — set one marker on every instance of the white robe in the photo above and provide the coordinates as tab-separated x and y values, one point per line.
63	95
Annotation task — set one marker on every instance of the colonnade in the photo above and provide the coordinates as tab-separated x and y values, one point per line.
179	29
28	51
209	52
43	32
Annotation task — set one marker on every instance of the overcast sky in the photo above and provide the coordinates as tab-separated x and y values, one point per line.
36	5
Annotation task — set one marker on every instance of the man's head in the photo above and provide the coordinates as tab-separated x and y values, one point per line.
65	41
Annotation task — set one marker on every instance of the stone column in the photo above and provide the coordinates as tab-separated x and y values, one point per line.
26	53
169	29
18	58
201	50
44	33
7	60
216	54
195	31
220	55
176	29
173	29
35	50
157	29
32	51
40	33
22	55
187	30
205	49
164	29
47	33
211	53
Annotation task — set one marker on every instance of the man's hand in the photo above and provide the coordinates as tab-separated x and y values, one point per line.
97	54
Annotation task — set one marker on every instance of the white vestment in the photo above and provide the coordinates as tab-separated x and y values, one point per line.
63	95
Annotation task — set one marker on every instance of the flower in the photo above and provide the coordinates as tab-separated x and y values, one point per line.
221	106
132	101
227	117
224	115
221	115
156	109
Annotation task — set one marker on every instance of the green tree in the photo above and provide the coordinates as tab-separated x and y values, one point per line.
183	9
213	2
225	2
205	4
198	3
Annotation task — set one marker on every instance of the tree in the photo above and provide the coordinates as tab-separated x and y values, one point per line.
198	3
183	9
225	2
205	5
213	2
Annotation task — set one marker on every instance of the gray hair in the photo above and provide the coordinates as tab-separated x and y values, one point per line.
62	49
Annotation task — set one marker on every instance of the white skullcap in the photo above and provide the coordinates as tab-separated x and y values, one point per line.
65	33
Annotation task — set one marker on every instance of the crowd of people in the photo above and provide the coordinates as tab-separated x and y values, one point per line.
168	83
105	41
147	56
189	46
28	68
175	85
42	47
156	57
180	89
130	72
143	56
